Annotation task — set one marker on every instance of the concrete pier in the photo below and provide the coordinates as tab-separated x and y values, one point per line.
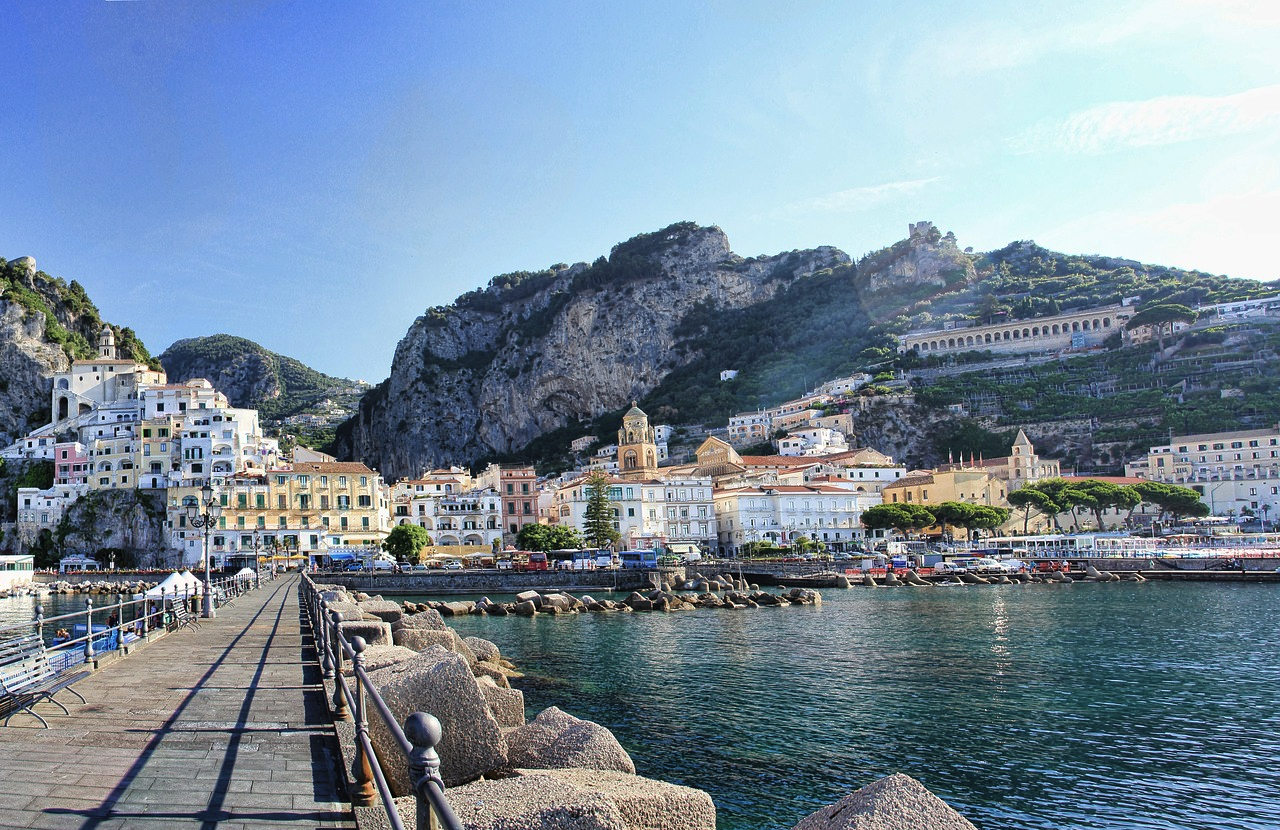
224	727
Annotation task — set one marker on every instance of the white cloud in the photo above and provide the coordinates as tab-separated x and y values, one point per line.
859	198
1167	120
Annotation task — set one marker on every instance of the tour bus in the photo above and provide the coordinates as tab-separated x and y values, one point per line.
639	559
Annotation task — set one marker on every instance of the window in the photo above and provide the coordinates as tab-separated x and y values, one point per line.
364	501
260	500
262	521
242	500
280	501
304	501
344	503
324	502
364	522
342	523
282	523
528	510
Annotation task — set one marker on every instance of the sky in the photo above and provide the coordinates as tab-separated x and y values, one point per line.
315	176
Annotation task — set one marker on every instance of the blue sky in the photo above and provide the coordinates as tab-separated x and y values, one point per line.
315	176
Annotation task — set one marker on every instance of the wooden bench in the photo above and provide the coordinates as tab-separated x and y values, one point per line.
182	617
27	678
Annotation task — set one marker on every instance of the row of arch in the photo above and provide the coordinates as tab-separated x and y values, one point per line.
1027	333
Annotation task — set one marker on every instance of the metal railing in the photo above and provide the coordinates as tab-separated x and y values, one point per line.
417	740
128	620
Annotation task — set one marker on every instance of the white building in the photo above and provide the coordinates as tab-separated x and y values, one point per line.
648	514
782	513
1234	472
812	441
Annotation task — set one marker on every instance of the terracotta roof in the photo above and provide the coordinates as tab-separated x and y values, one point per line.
1110	479
980	464
331	467
910	481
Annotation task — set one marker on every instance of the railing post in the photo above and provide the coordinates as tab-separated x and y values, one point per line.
362	772
88	629
320	632
40	622
424	732
120	623
340	711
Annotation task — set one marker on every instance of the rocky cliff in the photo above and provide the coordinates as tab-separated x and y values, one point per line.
536	351
926	257
45	323
131	522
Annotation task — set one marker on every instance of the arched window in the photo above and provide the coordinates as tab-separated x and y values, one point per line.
63	383
1106	322
1055	328
951	343
62	408
989	337
1035	331
1097	325
629	460
1025	334
1075	326
1016	335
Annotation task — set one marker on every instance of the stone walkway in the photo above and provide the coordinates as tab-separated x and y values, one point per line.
223	727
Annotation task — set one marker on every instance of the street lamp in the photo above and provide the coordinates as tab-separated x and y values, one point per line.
205	519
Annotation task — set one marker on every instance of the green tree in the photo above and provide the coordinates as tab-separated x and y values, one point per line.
405	542
1161	318
986	517
599	531
955	513
903	517
1028	499
548	537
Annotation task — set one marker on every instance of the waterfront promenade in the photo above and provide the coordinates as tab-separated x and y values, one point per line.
223	727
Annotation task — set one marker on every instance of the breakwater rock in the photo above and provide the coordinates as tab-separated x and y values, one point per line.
897	802
100	587
531	603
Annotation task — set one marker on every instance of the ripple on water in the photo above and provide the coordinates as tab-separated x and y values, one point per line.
1084	706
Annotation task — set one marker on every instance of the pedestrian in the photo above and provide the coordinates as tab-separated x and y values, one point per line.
113	620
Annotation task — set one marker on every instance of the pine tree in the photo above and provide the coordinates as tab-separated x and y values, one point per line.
598	528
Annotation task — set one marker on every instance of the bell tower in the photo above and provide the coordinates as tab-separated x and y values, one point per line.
107	344
637	446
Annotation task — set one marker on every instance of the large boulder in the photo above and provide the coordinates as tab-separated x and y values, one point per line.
645	804
375	632
556	740
893	803
379	657
439	682
526	802
384	610
426	618
485	651
421	639
507	704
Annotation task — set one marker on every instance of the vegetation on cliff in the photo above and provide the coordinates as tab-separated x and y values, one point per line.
72	321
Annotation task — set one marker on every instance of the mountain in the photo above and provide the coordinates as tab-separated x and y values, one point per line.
279	387
534	352
45	324
517	369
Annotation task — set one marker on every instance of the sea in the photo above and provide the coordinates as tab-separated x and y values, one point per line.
1119	705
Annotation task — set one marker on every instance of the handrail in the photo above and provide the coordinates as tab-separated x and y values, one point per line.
144	614
417	740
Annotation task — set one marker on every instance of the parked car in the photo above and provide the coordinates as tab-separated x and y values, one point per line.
419	567
452	565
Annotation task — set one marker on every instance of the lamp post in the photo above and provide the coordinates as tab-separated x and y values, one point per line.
205	519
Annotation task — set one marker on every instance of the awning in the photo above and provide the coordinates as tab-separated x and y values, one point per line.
684	547
341	557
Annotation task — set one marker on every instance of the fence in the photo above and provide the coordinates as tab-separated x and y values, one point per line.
417	740
128	621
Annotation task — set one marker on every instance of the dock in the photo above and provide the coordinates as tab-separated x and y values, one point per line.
224	727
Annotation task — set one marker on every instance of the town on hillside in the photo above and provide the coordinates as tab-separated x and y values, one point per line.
120	429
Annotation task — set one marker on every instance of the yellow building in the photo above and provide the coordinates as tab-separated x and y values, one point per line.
971	485
306	508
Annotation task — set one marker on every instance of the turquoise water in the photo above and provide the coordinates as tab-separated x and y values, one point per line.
1083	706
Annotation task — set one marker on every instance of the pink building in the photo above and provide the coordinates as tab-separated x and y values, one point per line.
71	463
